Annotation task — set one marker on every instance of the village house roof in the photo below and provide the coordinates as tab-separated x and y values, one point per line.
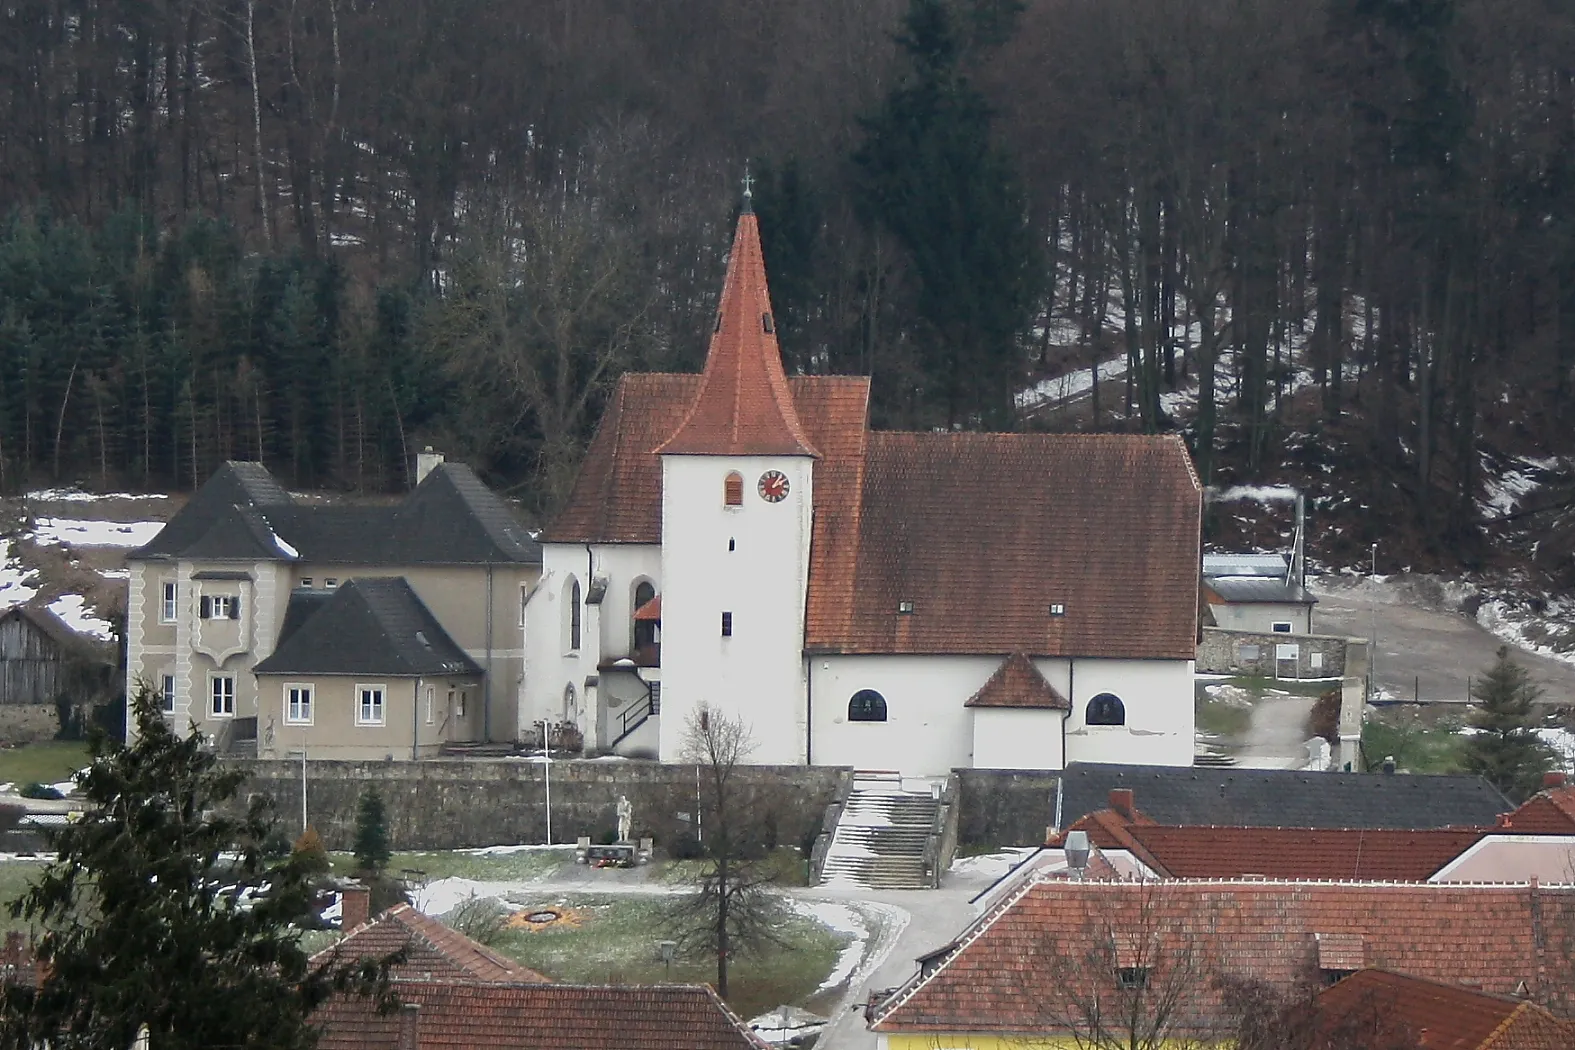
1259	590
242	514
60	633
432	950
1022	967
1550	811
454	1015
368	625
1018	683
1439	1016
744	406
1209	851
1282	798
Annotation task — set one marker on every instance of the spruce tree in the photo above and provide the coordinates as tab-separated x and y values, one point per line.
1505	748
371	833
162	910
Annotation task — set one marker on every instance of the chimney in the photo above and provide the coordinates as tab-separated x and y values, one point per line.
1505	820
409	1023
1389	763
355	906
1552	780
1121	801
426	460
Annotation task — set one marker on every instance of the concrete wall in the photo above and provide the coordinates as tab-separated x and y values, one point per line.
1221	652
1004	807
28	723
752	561
453	804
1261	616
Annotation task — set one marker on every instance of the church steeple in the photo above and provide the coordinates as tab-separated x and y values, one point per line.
744	407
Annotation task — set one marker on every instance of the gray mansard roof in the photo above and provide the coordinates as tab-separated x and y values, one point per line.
370	625
242	514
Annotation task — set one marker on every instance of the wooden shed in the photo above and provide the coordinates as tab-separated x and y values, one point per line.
44	663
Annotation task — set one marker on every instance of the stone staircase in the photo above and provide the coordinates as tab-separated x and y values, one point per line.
882	838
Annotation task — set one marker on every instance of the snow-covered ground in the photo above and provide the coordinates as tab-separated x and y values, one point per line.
16	581
72	609
78	496
89	532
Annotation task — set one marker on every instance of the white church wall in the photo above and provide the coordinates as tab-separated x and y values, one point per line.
1017	738
552	666
1158	698
927	731
757	672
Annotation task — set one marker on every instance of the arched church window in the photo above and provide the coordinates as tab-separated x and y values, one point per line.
571	595
733	490
1106	709
644	630
867	706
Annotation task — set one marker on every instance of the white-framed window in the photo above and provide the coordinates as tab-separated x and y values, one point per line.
298	703
167	693
168	605
221	695
330	582
369	706
219	607
431	695
1282	626
306	581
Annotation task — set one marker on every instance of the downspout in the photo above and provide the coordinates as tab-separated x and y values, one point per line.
486	689
1071	700
809	711
415	724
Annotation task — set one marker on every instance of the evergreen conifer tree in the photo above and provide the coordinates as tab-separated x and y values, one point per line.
371	833
1505	748
162	911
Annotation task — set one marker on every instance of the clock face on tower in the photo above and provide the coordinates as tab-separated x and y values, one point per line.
773	486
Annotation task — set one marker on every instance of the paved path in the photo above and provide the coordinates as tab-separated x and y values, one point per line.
1276	738
1430	653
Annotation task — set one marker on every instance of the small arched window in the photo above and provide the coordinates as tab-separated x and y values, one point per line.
1106	709
644	630
867	706
571	595
733	490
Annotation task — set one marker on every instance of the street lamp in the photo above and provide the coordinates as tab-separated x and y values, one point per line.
546	759
1373	568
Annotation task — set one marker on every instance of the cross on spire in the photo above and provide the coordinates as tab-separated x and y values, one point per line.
749	196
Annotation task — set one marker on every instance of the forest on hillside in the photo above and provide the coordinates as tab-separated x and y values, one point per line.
327	232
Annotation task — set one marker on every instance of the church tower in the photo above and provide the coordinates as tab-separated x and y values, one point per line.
737	509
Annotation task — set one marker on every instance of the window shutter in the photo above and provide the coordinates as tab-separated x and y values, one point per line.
235	607
205	608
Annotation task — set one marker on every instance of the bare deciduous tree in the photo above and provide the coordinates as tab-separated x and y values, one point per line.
734	908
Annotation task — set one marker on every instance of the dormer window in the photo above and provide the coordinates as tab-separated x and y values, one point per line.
905	607
1057	609
733	490
766	325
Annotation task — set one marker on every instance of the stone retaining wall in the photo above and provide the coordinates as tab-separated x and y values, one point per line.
459	803
1224	651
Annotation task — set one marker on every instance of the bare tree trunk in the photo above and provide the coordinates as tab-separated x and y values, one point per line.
262	179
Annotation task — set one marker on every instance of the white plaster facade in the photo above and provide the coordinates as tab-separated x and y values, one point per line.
1262	616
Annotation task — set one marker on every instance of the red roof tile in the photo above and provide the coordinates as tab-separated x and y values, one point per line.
1371	854
1439	1016
432	950
1020	967
1018	683
984	532
1550	812
650	612
453	1015
744	407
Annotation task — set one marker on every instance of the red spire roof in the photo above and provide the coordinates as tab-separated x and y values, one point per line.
744	407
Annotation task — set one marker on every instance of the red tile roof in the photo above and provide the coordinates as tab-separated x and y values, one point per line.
1018	683
983	532
454	1015
1021	967
1439	1016
1549	812
744	407
432	950
651	611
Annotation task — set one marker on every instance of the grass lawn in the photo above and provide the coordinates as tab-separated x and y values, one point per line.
46	763
15	876
613	940
1419	743
1221	719
524	866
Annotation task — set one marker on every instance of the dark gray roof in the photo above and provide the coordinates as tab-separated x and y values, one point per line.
370	625
1267	590
1284	798
304	603
241	514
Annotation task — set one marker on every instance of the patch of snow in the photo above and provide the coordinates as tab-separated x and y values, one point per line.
78	496
334	912
1070	385
14	589
1562	741
72	608
787	1026
115	574
1261	493
1524	629
839	918
444	895
87	532
284	548
991	865
1505	487
503	851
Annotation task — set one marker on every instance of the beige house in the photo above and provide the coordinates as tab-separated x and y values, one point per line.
352	631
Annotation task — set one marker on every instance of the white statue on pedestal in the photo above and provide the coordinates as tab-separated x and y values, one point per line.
625	818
